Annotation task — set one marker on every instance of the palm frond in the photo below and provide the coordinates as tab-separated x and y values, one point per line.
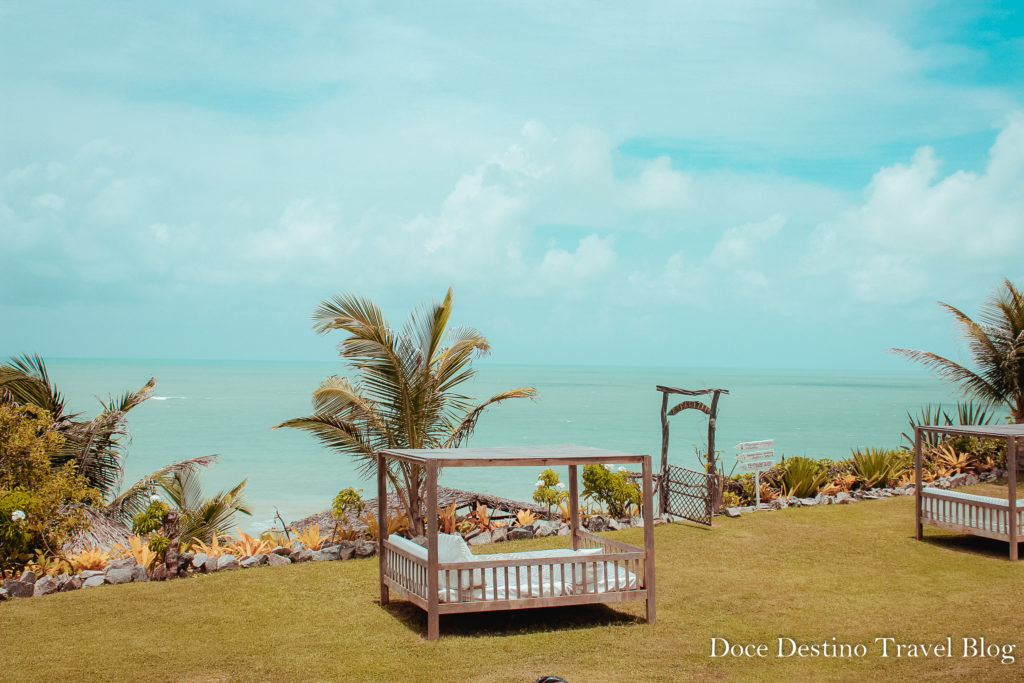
135	498
468	424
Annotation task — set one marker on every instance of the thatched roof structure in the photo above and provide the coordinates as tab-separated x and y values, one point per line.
103	532
445	497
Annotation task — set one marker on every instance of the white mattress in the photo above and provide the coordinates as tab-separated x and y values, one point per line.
566	568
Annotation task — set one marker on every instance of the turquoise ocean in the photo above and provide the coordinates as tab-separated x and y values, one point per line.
229	407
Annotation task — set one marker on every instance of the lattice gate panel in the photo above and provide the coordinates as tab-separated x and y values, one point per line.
688	494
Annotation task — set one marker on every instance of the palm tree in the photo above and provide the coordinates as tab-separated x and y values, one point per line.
996	344
404	395
96	446
202	517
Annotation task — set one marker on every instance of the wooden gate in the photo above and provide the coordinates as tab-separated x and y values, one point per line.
688	494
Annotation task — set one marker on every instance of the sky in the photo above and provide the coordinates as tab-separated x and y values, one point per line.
727	184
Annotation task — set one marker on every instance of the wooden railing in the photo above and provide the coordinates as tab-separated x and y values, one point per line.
499	577
982	518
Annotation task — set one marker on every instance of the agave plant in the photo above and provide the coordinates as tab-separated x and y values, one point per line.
802	477
405	394
878	466
967	413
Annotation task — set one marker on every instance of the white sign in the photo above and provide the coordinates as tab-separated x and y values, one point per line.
755	466
756	445
756	457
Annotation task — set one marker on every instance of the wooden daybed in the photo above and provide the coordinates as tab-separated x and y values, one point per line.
594	569
984	516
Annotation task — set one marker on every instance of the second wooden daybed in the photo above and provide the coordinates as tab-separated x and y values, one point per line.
987	516
445	578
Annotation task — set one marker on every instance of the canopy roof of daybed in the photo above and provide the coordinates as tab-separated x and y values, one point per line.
992	431
566	454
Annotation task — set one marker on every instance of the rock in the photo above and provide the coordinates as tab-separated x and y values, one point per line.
227	562
519	533
732	512
544	527
823	499
972	479
124	563
663	519
4	595
275	560
842	498
119	575
636	521
184	560
281	550
199	559
778	504
870	495
563	529
613	525
301	555
93	581
420	540
29	577
73	583
483	538
47	585
347	552
210	565
365	548
160	573
139	573
298	545
20	589
807	502
89	573
328	554
500	534
255	560
597	523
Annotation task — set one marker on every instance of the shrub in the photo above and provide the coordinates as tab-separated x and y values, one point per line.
159	544
348	501
549	491
614	489
37	500
150	519
91	558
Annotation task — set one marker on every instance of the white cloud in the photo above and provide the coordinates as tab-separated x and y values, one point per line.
592	258
915	226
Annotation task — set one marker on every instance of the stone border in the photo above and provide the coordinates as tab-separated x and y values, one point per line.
843	497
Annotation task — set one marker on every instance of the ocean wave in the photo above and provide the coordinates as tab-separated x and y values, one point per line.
169	398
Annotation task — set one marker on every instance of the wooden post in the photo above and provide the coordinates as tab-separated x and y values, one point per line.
1011	474
382	526
574	507
917	483
663	488
648	498
712	467
433	629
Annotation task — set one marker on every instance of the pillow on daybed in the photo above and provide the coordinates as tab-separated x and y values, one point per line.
450	548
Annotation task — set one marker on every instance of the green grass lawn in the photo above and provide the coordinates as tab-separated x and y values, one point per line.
853	572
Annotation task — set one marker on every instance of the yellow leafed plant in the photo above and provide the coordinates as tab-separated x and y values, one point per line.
137	548
277	538
525	518
311	536
448	519
91	558
215	549
397	523
247	544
